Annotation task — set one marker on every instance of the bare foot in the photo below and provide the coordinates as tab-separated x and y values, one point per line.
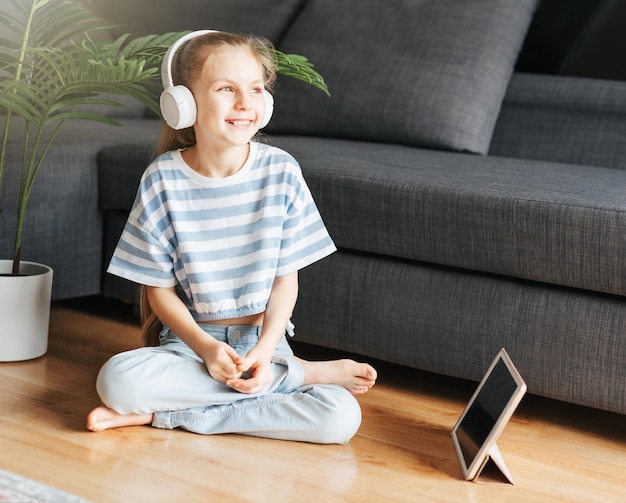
354	376
102	418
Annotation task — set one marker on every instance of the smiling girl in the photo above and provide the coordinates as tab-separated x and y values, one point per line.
218	231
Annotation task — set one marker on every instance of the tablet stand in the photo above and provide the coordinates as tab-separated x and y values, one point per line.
493	467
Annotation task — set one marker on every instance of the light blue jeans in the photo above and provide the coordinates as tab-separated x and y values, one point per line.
172	382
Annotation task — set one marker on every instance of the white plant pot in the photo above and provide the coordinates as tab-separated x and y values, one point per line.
24	311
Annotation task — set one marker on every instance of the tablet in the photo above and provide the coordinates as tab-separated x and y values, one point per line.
485	416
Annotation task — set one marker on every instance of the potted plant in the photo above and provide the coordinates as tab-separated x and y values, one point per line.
51	69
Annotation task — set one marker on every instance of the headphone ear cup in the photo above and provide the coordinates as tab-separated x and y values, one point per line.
178	107
269	108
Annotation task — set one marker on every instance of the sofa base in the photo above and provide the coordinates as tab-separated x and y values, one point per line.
566	343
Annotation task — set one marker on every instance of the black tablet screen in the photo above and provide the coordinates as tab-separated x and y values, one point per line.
484	412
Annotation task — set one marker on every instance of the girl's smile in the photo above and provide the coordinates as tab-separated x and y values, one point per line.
240	123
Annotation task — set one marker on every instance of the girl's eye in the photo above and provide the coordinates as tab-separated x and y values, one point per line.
226	89
257	90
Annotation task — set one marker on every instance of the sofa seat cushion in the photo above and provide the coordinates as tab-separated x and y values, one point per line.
416	72
555	223
119	172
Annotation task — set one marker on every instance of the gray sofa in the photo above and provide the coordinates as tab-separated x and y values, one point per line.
474	207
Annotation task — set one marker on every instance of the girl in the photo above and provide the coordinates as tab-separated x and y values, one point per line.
218	231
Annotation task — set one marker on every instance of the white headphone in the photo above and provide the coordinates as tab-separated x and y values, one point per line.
178	105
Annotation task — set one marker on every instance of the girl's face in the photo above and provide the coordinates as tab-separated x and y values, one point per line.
229	97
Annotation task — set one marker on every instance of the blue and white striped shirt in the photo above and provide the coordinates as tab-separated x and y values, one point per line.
222	241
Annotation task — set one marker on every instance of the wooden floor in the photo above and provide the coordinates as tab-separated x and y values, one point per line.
403	452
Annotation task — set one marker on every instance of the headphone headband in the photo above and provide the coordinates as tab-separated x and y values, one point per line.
166	65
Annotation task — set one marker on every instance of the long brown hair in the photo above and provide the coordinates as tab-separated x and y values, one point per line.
150	323
186	69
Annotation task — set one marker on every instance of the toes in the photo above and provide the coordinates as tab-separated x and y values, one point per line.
370	373
365	371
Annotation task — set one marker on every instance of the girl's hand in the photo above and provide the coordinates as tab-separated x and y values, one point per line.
219	358
259	368
222	362
258	361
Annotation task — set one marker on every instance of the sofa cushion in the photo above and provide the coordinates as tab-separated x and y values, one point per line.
416	72
572	120
267	18
556	223
119	172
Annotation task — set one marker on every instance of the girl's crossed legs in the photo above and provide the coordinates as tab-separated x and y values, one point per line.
169	387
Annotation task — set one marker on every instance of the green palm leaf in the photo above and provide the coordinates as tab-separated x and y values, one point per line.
299	67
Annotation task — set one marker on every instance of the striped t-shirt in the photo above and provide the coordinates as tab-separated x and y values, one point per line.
221	241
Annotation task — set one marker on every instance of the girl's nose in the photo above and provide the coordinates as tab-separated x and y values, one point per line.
243	101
